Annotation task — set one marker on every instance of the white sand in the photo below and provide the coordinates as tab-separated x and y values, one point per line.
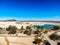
6	24
17	40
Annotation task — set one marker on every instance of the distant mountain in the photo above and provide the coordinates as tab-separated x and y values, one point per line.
29	21
8	20
11	20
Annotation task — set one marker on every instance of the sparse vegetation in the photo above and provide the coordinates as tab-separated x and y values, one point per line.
54	37
38	29
46	31
28	27
56	27
1	28
22	28
11	29
46	42
28	30
38	39
36	32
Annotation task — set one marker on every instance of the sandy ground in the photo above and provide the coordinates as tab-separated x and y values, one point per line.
13	40
21	39
6	24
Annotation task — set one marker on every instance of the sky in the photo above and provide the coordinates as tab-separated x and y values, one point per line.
30	9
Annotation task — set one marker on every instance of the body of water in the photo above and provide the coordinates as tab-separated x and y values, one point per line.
45	26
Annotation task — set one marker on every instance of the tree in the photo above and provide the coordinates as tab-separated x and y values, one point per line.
11	29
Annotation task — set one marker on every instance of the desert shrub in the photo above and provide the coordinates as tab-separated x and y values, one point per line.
11	29
54	37
22	28
37	40
1	28
29	33
34	42
47	43
36	32
25	32
56	27
28	27
45	31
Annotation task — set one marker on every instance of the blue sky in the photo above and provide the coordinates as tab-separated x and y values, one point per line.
30	9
